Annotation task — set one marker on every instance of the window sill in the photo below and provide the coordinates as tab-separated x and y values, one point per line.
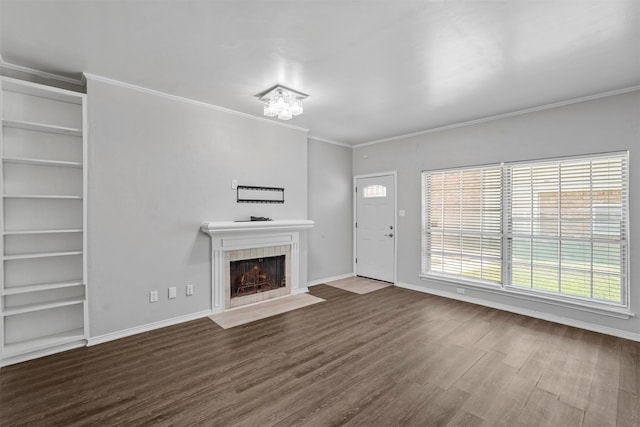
481	286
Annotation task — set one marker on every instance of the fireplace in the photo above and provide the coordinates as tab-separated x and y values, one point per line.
256	274
242	241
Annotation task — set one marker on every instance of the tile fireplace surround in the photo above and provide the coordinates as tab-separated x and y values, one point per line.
228	236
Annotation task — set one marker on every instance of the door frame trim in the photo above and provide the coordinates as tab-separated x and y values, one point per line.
395	219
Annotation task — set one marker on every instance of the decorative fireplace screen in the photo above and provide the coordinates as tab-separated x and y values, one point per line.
251	276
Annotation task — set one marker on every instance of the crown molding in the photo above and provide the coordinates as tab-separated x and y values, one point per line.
504	116
329	141
107	80
42	74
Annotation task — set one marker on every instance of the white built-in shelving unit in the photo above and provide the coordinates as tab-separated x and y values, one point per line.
43	219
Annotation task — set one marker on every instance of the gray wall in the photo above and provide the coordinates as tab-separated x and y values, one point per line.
158	168
330	206
607	124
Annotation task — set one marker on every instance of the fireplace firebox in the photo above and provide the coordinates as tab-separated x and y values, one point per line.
251	276
257	274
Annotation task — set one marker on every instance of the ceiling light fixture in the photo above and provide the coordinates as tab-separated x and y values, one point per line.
282	102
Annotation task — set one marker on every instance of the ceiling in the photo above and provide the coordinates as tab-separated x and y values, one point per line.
374	69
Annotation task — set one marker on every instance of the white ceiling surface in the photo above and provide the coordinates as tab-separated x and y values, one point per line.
374	69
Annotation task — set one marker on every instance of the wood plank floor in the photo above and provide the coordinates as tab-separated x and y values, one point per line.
391	357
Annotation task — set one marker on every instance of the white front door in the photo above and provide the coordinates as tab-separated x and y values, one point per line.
375	227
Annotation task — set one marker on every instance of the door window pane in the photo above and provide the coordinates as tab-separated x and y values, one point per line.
374	191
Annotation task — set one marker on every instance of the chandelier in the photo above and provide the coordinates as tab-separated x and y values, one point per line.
282	102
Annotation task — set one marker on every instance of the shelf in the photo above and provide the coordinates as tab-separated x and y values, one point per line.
40	255
27	308
40	127
42	287
55	231
42	91
34	196
40	162
28	346
44	213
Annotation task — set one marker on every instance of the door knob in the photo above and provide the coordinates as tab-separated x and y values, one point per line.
389	235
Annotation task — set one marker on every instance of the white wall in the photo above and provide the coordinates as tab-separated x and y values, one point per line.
158	168
330	206
603	125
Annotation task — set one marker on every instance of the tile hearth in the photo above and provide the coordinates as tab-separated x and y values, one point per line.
251	313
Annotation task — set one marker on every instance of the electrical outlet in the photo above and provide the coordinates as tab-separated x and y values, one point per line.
153	296
189	290
172	292
460	291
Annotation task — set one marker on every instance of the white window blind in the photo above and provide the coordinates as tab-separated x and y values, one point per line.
462	232
556	228
567	226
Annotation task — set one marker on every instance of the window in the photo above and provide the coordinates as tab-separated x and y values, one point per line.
555	227
374	191
462	222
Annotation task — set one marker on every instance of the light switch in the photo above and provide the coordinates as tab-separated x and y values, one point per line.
401	212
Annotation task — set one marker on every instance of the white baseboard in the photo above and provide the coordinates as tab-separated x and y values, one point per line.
526	312
330	279
146	328
41	353
300	291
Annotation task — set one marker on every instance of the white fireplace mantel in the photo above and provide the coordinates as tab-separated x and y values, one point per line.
232	235
248	226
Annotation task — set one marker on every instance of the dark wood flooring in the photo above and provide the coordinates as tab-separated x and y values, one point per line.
391	357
